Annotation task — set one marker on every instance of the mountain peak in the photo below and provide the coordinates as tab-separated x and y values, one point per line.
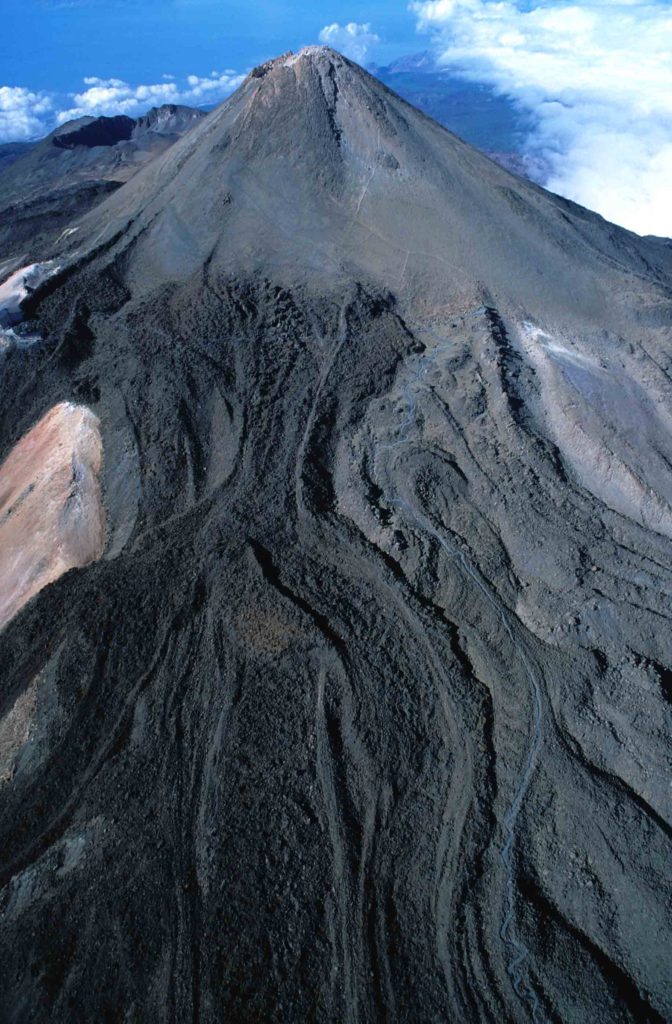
318	53
318	56
314	170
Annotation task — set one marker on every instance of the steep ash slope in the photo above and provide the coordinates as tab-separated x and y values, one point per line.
363	714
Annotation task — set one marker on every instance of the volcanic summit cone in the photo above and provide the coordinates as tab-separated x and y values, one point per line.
361	714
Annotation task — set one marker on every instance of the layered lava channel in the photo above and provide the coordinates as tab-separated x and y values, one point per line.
363	715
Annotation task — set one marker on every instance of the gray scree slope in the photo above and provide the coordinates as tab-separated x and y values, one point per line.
363	715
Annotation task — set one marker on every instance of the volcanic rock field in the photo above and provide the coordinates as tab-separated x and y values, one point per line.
336	580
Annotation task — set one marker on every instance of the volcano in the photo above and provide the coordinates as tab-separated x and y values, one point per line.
359	711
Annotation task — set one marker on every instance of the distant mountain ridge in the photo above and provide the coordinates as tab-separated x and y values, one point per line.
50	183
425	62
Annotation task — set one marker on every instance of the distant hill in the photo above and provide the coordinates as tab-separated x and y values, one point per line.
46	185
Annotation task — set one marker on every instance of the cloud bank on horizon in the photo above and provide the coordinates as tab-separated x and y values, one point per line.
111	95
598	77
22	113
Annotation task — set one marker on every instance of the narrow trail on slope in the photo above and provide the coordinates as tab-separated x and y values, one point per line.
518	953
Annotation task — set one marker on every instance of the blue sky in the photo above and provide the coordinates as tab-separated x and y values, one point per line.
55	44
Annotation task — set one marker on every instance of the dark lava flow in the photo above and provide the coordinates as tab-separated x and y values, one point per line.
336	686
518	951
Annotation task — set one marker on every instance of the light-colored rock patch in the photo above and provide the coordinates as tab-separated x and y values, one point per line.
15	729
51	514
610	428
17	287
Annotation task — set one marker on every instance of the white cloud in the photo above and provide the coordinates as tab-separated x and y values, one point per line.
353	40
113	96
29	115
23	114
597	75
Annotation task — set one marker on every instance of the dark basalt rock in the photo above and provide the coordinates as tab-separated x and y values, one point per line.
362	714
101	131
